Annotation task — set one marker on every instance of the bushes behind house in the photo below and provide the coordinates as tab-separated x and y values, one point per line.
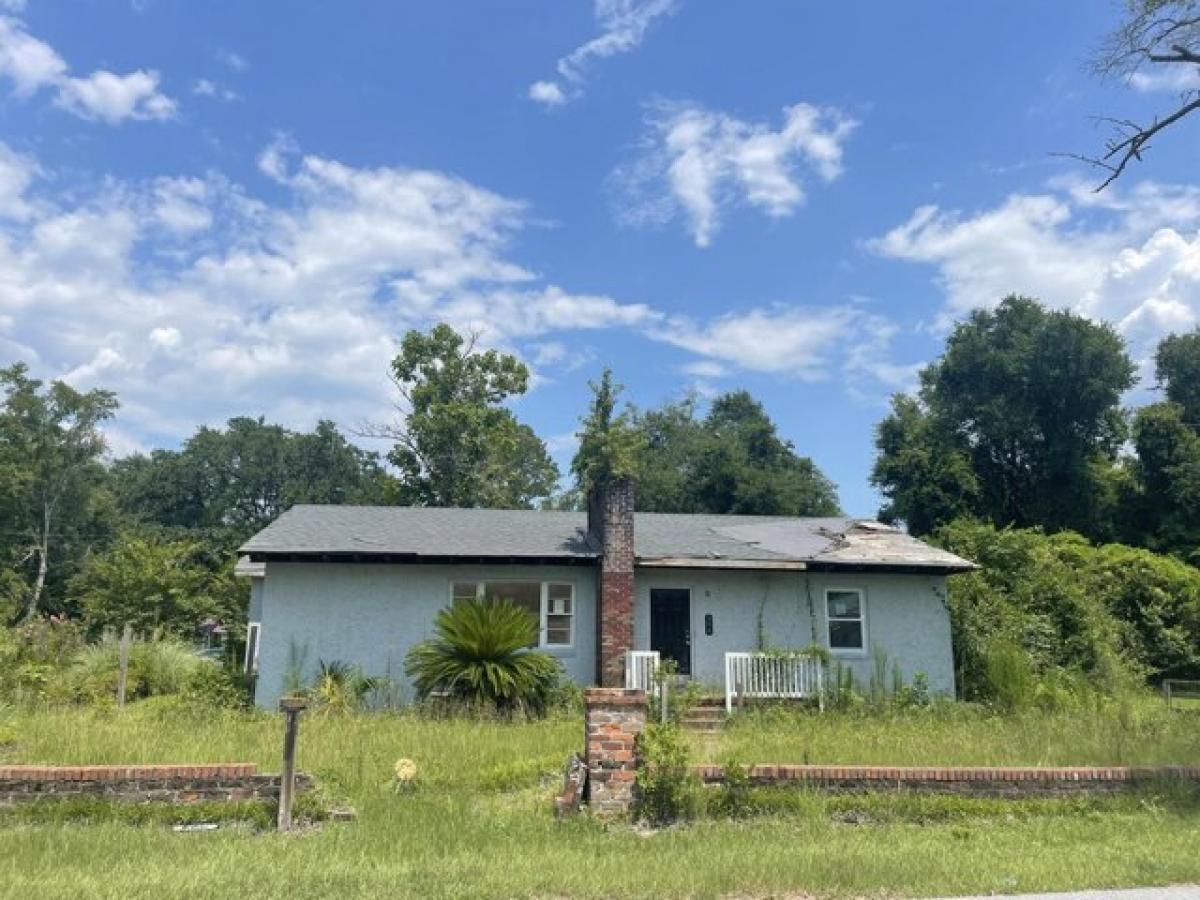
1048	615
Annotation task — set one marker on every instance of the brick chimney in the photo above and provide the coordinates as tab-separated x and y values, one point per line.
610	523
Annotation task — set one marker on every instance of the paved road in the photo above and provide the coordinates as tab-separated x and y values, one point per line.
1179	892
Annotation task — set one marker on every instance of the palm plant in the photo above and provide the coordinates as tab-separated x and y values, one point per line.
340	687
480	654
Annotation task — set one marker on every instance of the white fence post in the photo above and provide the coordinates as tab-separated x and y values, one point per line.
640	668
768	675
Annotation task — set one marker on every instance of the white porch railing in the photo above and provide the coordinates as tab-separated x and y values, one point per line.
640	666
772	676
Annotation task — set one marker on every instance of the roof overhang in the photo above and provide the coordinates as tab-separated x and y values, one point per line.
708	562
347	557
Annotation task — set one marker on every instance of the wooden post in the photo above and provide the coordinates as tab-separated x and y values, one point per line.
662	696
123	673
291	708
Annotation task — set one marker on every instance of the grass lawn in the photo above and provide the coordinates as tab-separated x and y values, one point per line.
479	823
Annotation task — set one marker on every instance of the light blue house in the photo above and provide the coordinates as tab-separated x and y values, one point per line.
362	585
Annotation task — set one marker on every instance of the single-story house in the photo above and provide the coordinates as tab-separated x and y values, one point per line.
362	585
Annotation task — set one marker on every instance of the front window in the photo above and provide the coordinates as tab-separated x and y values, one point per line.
552	605
847	622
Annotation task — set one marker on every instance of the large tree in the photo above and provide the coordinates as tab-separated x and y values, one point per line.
457	444
1019	422
235	480
1163	506
1156	38
730	461
51	481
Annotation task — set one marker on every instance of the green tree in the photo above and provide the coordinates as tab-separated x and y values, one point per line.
1177	367
925	478
1165	510
731	461
228	483
1162	507
458	445
609	446
52	495
154	584
1029	398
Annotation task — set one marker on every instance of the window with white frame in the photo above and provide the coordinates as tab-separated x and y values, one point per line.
250	664
846	616
551	603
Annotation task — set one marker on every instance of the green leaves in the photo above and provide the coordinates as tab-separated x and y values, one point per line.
730	461
1010	423
154	584
480	654
610	448
457	445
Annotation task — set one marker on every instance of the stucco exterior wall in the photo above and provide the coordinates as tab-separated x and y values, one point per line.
370	615
905	615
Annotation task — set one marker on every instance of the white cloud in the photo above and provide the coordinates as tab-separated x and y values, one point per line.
699	161
292	310
28	62
806	343
194	301
114	98
32	64
235	62
623	26
206	87
1175	79
548	93
181	204
1128	257
17	173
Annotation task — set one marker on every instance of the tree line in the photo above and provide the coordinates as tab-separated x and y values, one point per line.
1015	450
150	538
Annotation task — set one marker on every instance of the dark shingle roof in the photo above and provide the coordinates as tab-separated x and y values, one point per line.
416	532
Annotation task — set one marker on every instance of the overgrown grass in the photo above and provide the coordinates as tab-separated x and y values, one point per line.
1132	731
477	822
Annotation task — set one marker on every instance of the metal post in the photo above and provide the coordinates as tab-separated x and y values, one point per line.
291	708
123	664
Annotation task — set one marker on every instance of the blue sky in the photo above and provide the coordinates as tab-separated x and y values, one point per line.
236	208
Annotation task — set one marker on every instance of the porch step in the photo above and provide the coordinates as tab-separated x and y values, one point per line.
705	717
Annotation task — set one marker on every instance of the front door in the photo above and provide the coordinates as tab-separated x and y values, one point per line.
671	625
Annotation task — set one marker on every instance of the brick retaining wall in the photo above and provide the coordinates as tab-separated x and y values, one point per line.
142	784
976	780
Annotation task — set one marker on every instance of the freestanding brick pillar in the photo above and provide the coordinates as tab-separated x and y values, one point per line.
610	523
614	718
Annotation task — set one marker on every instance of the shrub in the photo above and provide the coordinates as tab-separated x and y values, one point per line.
155	584
156	666
668	790
1039	593
480	654
734	798
1009	673
340	688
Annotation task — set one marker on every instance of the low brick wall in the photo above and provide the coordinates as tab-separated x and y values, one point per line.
1005	781
142	784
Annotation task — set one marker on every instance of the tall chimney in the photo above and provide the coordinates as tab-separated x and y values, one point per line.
610	522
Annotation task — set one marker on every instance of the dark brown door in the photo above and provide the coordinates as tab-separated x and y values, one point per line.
671	625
